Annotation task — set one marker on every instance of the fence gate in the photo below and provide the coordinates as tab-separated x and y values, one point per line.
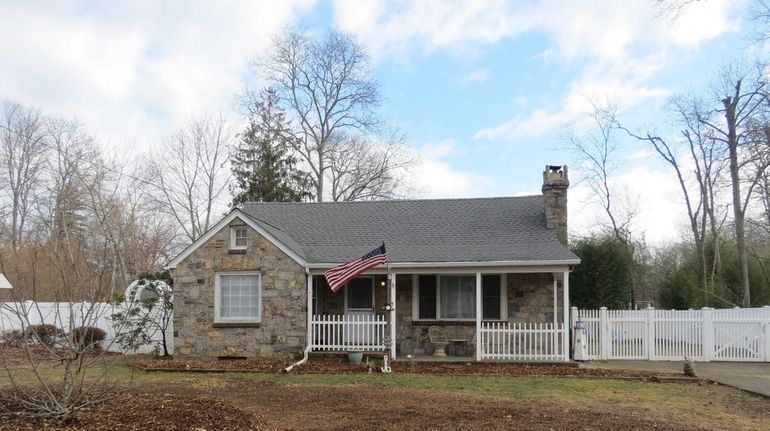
740	336
672	335
627	333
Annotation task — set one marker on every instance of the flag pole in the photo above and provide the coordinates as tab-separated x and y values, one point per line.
389	309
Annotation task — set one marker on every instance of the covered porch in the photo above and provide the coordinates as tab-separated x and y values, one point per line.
510	313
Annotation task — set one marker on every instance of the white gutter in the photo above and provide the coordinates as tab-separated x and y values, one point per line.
463	264
309	318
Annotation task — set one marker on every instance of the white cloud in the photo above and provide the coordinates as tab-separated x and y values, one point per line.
623	43
654	195
623	84
598	28
475	76
133	70
437	178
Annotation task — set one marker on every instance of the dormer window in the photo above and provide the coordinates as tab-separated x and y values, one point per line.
238	238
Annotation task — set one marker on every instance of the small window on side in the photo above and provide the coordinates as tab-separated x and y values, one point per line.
238	238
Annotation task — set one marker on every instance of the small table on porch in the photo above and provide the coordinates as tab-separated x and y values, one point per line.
458	346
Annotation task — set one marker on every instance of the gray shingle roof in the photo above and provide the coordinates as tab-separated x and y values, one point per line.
441	230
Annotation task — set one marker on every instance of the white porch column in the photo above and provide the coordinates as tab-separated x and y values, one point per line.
392	283
565	316
478	316
555	314
309	335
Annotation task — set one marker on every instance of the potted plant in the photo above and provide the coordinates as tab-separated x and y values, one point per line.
355	356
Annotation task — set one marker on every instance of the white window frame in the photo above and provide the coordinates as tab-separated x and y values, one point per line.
218	299
233	230
416	299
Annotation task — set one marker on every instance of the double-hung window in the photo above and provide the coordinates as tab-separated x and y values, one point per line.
238	297
238	238
453	297
458	296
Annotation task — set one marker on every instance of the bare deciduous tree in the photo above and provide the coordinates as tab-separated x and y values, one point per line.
364	169
329	92
191	173
702	162
742	128
22	153
598	152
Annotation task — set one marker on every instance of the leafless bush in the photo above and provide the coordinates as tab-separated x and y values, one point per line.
54	374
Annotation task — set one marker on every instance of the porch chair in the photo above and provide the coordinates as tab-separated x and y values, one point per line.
438	339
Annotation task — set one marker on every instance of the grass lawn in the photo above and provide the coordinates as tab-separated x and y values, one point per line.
412	401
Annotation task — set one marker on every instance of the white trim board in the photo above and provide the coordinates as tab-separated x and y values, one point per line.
236	213
500	263
462	268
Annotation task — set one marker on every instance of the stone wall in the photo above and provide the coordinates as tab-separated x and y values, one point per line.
530	298
282	330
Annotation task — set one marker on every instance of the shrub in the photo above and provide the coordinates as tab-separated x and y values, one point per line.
87	337
44	334
14	338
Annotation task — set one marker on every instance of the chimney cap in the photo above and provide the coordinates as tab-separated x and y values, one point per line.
554	168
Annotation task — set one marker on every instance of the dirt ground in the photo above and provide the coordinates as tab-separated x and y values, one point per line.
363	408
270	406
453	396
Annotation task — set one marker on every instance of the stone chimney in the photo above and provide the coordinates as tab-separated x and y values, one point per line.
555	185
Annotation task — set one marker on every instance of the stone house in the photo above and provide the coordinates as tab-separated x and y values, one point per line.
486	278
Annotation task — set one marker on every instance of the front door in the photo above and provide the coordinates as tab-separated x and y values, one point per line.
359	301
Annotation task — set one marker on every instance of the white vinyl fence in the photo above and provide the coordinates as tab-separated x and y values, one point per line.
65	315
522	341
348	332
740	334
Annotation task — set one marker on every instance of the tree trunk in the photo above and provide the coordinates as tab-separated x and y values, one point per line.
319	191
740	231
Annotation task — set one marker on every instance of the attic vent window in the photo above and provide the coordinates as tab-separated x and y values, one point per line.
238	238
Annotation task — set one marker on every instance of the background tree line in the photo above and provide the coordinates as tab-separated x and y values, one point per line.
77	219
719	153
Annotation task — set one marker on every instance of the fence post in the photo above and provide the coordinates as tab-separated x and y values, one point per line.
604	339
708	334
766	330
650	338
570	332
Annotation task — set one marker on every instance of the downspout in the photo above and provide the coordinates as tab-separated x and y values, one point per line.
309	318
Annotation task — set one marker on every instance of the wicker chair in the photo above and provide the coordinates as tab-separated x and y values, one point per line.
438	339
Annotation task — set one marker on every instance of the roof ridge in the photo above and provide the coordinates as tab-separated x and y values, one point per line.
396	200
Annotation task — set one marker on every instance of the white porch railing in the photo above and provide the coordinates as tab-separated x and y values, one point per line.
741	334
348	332
522	341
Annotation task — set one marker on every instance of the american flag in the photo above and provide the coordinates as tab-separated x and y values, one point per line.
339	276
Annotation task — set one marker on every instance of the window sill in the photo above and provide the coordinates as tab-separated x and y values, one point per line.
236	324
236	251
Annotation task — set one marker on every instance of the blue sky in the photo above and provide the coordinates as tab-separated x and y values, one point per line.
483	89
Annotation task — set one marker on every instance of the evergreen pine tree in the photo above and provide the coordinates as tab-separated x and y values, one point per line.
264	170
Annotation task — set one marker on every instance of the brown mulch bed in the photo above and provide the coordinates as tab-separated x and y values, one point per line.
152	412
330	366
17	356
14	356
